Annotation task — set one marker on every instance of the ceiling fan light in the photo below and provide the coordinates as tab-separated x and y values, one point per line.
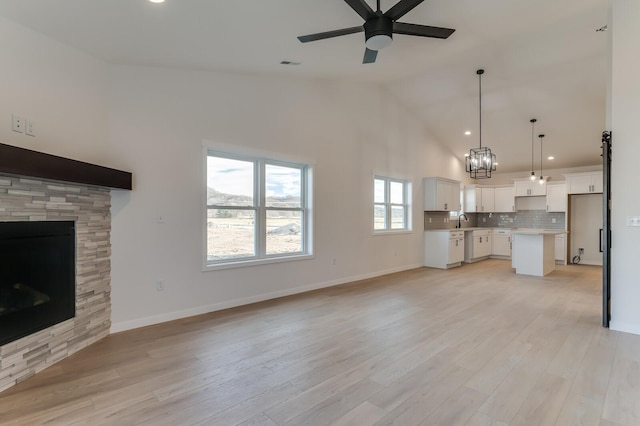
378	42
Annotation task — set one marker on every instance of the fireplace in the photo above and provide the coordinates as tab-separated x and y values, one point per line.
37	276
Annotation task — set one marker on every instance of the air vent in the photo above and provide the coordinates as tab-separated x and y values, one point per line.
289	63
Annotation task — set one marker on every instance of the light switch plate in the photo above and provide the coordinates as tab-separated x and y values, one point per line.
633	220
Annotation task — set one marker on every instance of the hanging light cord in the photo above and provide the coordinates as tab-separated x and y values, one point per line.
480	72
533	121
541	136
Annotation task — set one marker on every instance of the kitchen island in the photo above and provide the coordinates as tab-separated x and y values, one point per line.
533	251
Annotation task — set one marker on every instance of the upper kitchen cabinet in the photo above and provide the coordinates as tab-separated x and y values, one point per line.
488	200
557	197
584	183
441	194
472	198
504	200
529	188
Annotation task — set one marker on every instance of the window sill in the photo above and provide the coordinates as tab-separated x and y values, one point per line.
254	262
393	232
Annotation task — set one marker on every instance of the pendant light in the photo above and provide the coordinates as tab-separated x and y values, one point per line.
541	181
533	121
480	162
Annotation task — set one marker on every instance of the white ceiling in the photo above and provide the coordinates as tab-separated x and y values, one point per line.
543	58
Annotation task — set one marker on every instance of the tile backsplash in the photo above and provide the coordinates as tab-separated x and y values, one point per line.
539	219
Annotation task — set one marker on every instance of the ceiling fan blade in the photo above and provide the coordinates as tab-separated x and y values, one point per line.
329	34
362	8
401	8
421	30
369	56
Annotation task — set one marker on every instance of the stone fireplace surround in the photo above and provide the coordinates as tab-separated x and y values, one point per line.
55	195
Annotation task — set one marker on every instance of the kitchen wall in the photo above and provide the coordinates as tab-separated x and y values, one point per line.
443	220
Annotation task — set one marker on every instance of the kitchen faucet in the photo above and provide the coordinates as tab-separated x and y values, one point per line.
460	217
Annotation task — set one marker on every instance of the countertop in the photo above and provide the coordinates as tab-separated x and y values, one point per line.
539	231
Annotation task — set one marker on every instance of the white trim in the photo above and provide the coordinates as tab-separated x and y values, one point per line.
171	316
393	232
255	262
260	210
625	327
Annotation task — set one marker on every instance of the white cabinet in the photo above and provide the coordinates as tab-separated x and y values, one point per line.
477	245
504	201
443	248
441	194
557	197
561	249
472	198
529	188
488	200
501	243
584	183
484	199
456	247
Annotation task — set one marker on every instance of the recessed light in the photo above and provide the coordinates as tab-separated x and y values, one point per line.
467	133
496	164
550	157
466	155
156	1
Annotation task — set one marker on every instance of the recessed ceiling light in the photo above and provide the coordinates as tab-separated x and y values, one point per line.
156	1
467	154
467	133
551	157
496	164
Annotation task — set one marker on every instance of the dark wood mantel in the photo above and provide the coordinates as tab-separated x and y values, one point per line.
25	162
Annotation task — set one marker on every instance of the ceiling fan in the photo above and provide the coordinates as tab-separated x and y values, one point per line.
379	27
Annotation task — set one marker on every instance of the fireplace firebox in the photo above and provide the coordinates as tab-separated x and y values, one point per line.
37	276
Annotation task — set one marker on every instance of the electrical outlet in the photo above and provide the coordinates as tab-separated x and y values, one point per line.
159	285
17	124
30	128
633	221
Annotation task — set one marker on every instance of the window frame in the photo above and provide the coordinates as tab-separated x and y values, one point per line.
406	204
260	208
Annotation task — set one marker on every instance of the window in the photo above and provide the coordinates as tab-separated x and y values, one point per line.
257	209
391	204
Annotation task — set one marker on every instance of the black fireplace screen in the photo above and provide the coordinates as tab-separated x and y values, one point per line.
37	276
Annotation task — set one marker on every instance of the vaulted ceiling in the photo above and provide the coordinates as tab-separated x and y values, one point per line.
542	59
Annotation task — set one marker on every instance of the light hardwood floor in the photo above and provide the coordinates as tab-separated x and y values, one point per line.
476	345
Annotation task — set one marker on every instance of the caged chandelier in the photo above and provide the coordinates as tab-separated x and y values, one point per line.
480	162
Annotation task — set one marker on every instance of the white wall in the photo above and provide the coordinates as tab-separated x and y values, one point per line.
625	110
152	122
60	89
158	121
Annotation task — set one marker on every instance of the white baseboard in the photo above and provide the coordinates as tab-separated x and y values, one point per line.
170	316
625	327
